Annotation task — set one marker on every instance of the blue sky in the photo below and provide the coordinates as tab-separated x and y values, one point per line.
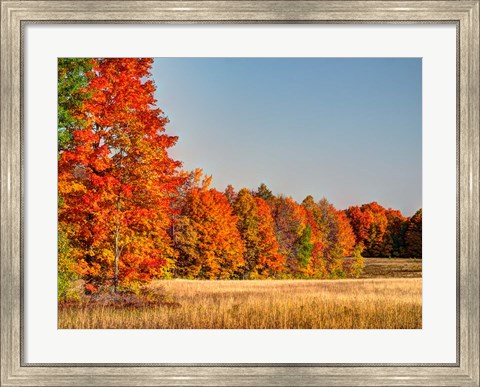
345	129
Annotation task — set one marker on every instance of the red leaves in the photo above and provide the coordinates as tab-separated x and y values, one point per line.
126	177
380	231
130	213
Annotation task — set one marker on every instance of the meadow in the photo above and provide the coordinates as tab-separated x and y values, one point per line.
382	299
391	268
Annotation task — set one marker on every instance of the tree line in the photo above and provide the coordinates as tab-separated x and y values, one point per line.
129	213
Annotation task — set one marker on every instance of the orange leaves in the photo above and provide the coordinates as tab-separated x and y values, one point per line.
270	262
125	179
130	214
206	237
380	231
346	237
333	237
256	227
122	101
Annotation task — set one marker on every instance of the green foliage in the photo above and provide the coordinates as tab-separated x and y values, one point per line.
338	274
305	246
211	235
264	193
68	278
72	80
358	262
246	211
328	223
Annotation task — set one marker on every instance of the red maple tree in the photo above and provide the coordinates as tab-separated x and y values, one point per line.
116	179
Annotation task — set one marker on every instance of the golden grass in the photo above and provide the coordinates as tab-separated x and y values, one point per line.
393	303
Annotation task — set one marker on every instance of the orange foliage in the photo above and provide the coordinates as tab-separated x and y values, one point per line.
127	213
317	265
116	178
255	225
333	237
380	231
346	237
270	262
206	237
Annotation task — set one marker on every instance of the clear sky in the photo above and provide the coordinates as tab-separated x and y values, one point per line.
346	129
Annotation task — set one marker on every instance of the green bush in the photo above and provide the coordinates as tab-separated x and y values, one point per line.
70	286
358	262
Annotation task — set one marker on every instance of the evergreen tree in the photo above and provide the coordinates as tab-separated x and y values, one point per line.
305	246
264	193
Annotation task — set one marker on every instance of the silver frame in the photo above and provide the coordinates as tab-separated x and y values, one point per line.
464	14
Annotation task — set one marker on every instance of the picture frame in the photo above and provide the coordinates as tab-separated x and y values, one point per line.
463	14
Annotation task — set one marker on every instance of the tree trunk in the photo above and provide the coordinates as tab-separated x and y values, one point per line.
115	269
118	251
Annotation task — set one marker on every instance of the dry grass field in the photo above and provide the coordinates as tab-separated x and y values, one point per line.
392	268
370	303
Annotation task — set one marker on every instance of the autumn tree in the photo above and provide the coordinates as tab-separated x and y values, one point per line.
339	238
317	264
73	78
230	193
72	82
358	263
290	229
378	227
345	235
269	260
369	223
381	232
333	238
360	223
128	213
206	236
245	208
255	225
394	238
413	236
117	179
67	266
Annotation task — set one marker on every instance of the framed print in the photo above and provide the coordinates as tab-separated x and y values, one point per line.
240	193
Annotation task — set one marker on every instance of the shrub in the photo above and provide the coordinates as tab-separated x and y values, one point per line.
358	262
